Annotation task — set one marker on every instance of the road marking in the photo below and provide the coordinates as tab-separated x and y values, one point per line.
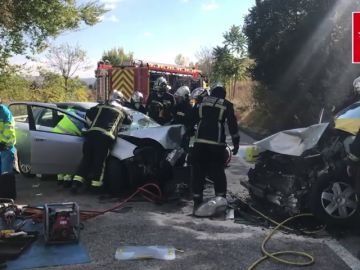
344	254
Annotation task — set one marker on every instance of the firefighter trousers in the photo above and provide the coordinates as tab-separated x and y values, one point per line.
208	160
96	149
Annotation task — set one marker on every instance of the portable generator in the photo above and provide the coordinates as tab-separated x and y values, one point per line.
61	223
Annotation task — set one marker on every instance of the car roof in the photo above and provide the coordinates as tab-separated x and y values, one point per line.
34	103
77	105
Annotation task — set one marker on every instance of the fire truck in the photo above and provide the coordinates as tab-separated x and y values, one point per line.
139	75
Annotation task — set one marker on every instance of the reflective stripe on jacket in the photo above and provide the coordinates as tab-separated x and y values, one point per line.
210	116
106	119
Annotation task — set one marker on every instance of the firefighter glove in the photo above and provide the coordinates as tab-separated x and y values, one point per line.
235	149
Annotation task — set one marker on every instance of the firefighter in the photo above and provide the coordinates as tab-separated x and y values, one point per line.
136	102
183	107
160	104
7	153
70	126
182	112
209	146
104	121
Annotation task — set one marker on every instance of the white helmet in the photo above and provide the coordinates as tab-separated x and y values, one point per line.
161	85
182	92
137	97
117	96
199	93
356	85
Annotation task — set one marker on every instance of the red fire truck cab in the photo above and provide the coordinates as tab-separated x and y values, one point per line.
138	75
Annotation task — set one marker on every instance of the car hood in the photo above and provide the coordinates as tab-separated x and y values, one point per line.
293	142
168	136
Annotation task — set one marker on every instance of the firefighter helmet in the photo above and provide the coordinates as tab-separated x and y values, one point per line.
161	85
218	90
137	97
182	93
117	96
356	85
199	93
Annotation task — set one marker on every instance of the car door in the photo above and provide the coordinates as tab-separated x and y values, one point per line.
53	152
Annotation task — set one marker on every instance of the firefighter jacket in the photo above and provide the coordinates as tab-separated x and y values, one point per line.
161	108
182	112
7	127
107	118
210	116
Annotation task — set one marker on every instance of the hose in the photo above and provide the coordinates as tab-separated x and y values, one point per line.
143	191
275	255
36	213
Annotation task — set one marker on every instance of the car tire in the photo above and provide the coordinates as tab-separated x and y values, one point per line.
334	201
25	169
116	177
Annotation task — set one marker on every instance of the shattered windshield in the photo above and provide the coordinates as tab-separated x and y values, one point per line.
140	121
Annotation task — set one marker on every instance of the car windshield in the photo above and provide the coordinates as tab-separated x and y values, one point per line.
353	111
140	120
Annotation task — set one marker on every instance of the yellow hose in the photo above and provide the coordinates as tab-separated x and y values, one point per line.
275	255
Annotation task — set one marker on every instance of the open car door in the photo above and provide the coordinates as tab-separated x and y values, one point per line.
47	150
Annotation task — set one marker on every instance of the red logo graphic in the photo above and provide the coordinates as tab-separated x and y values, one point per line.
356	37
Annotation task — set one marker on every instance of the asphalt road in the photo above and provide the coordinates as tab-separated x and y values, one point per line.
207	243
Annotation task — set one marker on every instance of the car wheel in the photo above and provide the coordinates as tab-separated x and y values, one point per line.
116	177
25	169
334	201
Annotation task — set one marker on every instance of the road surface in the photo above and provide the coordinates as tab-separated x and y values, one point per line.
207	243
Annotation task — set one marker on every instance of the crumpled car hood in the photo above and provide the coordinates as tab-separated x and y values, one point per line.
168	136
293	142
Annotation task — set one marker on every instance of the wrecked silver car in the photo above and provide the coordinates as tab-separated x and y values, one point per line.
305	169
138	152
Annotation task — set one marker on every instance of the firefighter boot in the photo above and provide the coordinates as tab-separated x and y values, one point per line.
77	183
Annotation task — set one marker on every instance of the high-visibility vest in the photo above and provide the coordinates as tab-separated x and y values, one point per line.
7	127
66	126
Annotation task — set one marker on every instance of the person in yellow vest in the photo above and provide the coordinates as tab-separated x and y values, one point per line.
70	126
104	121
7	153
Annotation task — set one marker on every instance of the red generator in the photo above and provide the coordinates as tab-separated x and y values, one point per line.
61	223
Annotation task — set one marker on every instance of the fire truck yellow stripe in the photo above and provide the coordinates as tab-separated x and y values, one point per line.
123	80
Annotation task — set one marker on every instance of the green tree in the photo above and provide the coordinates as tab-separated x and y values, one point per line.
49	87
67	60
302	53
230	62
14	87
117	56
25	25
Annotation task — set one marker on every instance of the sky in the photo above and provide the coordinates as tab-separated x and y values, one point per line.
155	30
